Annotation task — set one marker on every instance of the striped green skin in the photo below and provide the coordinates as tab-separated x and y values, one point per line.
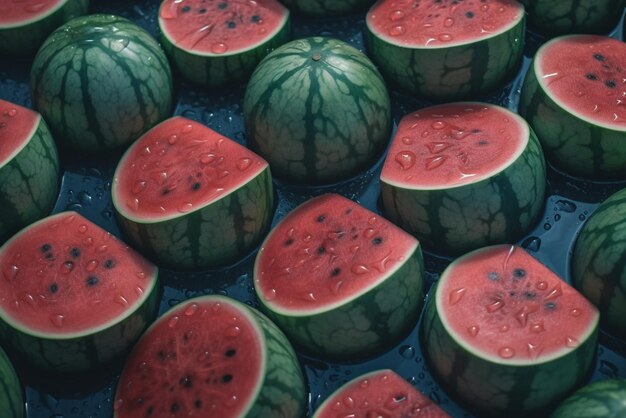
215	235
573	16
498	209
224	69
445	74
326	8
364	325
94	97
494	389
599	262
570	143
11	399
601	399
317	110
29	183
25	40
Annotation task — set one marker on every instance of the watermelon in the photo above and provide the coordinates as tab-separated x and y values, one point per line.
188	363
380	393
446	49
604	398
73	295
220	42
572	97
25	24
11	398
339	280
318	110
326	8
100	81
29	168
190	198
598	262
562	17
505	336
463	175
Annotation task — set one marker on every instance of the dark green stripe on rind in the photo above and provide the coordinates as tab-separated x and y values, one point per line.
599	262
364	325
29	183
216	235
499	209
450	73
326	8
495	389
11	398
601	399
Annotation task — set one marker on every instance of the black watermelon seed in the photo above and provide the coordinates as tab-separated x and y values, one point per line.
321	218
186	382
46	247
227	378
149	411
75	252
289	242
551	305
91	281
230	352
519	273
321	250
530	295
202	11
185	9
469	15
49	256
512	293
591	76
54	288
175	407
164	191
255	19
222	5
610	84
197	404
231	24
108	263
493	276
482	142
161	355
335	272
195	186
377	240
599	57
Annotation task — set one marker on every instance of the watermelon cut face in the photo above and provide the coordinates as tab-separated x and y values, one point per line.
444	50
572	99
338	279
211	356
326	8
29	168
11	398
24	25
604	398
74	296
101	81
506	336
463	175
220	42
381	393
183	178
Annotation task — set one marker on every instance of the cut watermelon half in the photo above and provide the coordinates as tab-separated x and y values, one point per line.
380	393
211	356
73	295
11	399
506	336
220	42
573	97
29	168
25	24
446	50
461	176
338	279
189	198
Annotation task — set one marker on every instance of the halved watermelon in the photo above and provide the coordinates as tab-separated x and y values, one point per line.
601	399
25	24
29	168
573	99
505	336
73	295
220	42
326	8
11	398
338	279
211	356
463	175
190	198
446	50
378	394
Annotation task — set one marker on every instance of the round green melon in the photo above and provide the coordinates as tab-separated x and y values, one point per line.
601	399
326	8
11	398
317	110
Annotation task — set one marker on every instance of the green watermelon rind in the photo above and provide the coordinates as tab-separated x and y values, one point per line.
326	8
362	325
11	397
112	102
220	70
498	209
24	39
572	143
216	234
436	73
598	264
604	398
29	181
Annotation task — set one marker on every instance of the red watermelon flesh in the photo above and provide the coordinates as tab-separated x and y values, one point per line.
18	12
503	303
586	74
200	359
454	144
64	275
219	27
17	125
442	23
180	166
327	250
379	394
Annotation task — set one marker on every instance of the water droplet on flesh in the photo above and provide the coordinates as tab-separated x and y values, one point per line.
406	159
456	295
191	309
506	352
397	30
473	330
219	48
173	321
57	320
